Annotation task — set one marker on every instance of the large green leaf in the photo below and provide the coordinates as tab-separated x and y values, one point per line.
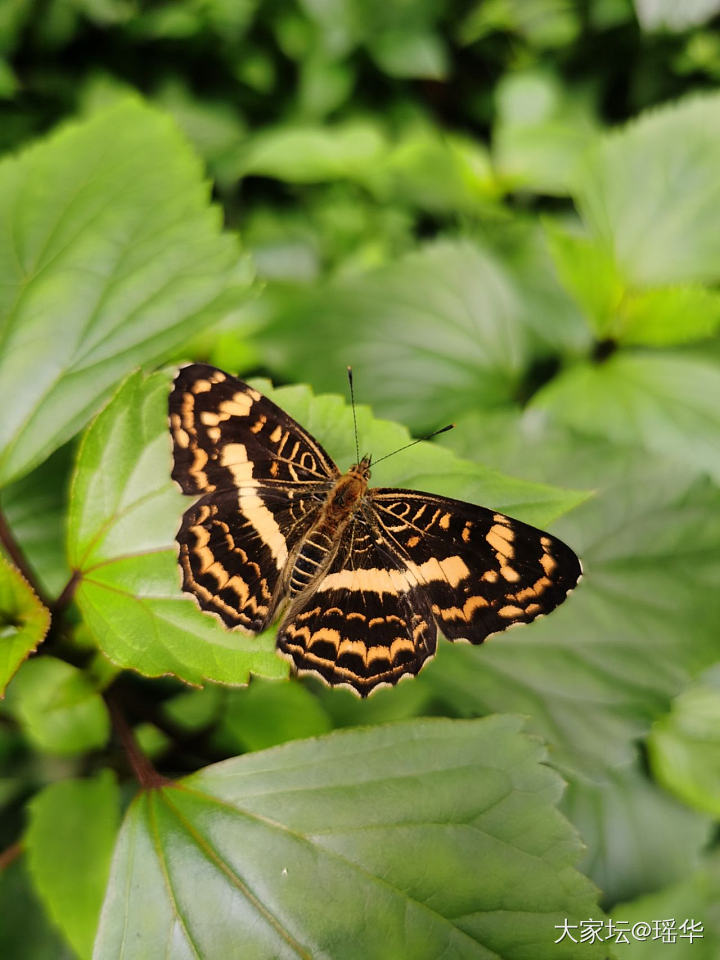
652	193
110	256
124	513
69	843
311	850
662	402
449	327
684	745
24	621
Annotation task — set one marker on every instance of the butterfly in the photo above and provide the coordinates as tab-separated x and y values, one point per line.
365	576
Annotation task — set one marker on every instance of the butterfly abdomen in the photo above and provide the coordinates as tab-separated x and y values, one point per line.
318	549
314	556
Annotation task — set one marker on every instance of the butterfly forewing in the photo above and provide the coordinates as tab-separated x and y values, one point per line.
225	434
370	575
482	571
263	478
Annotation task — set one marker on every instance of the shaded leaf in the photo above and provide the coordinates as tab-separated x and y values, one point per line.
661	402
694	897
265	714
35	509
620	820
442	330
24	621
25	930
111	257
309	850
582	674
124	513
69	843
58	707
684	745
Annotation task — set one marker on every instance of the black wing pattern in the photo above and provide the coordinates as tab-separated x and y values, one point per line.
366	622
481	570
263	479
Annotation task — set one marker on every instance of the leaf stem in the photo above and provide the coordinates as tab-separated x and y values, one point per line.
67	593
145	773
12	548
10	854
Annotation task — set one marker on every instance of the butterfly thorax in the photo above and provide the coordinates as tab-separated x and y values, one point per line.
318	548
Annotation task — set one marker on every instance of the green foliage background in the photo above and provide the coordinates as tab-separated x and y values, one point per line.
500	212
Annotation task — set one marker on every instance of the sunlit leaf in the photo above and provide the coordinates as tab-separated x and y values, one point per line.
310	849
111	256
24	621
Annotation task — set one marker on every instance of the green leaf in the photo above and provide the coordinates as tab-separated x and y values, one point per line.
69	843
265	714
684	745
620	821
582	674
411	52
442	330
695	897
542	131
124	513
111	257
35	509
310	849
427	467
669	15
651	193
58	708
25	930
309	154
588	270
669	315
665	403
24	621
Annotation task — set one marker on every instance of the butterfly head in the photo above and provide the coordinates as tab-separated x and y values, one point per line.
361	469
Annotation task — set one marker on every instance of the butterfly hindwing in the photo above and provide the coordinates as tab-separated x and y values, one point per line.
225	434
234	548
365	622
482	571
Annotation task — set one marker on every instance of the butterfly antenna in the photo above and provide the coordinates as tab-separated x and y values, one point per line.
352	401
413	442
